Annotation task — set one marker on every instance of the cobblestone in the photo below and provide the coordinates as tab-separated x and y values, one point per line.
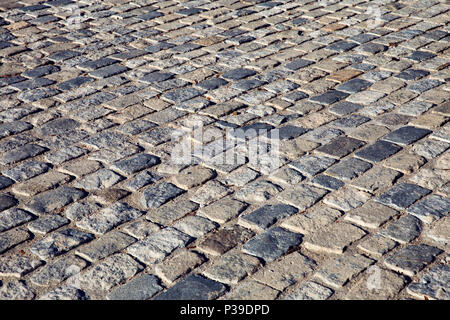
94	108
272	244
412	258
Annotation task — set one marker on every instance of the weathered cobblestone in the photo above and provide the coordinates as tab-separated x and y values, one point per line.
99	100
158	245
272	243
193	287
412	258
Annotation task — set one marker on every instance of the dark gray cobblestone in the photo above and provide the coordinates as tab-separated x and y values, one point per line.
117	181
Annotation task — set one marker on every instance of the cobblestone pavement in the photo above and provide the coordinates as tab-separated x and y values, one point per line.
97	95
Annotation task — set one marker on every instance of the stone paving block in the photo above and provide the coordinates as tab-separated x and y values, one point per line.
432	285
41	183
192	177
21	153
12	238
210	192
195	226
238	74
15	290
346	198
378	151
232	267
302	196
58	271
193	287
111	243
13	217
158	245
404	230
406	135
329	97
287	271
369	132
310	165
348	169
370	215
53	200
80	168
155	196
368	289
141	180
46	224
258	191
267	215
272	243
18	266
177	265
60	242
376	245
405	162
345	108
251	290
223	210
100	179
412	258
430	209
140	288
172	211
340	147
338	271
225	239
241	177
110	272
108	218
7	201
310	290
334	238
402	195
135	164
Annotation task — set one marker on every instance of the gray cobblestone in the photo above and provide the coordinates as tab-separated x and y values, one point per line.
96	101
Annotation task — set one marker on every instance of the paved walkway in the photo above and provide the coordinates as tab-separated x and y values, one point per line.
113	119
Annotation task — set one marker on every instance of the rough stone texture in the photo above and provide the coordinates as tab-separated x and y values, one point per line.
376	245
310	290
105	246
127	123
177	265
412	258
272	243
302	196
312	220
193	287
223	210
232	267
110	272
376	178
225	239
60	242
285	272
251	290
58	271
337	272
333	238
433	284
140	288
381	284
432	208
267	215
15	290
402	195
370	215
